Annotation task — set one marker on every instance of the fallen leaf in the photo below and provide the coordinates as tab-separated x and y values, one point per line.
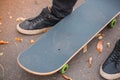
100	37
90	61
100	46
1	53
85	49
20	19
0	23
0	17
3	42
108	45
32	41
19	39
10	17
66	77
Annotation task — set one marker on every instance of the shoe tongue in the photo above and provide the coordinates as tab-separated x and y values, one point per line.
45	12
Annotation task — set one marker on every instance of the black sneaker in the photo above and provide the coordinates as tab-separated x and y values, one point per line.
111	67
38	24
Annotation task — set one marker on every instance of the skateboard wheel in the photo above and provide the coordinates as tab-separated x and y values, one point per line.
64	69
113	23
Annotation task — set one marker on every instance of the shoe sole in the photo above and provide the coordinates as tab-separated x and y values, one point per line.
108	76
32	32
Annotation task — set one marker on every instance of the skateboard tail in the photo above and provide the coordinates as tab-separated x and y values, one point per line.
37	73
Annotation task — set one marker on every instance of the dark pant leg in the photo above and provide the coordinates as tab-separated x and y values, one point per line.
62	8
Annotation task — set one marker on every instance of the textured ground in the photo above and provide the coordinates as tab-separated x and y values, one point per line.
10	10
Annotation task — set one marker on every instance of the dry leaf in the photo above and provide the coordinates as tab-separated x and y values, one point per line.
10	17
100	46
0	17
90	61
20	19
32	41
0	23
1	53
108	45
3	42
19	39
66	77
85	49
100	37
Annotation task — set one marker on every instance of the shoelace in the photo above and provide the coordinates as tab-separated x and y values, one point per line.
116	55
36	19
40	18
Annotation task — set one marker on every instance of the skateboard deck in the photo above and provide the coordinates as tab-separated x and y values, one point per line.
59	45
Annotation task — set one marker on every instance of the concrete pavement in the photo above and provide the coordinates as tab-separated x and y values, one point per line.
10	10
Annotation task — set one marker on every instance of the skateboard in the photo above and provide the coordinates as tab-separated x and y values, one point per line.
1	72
59	45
